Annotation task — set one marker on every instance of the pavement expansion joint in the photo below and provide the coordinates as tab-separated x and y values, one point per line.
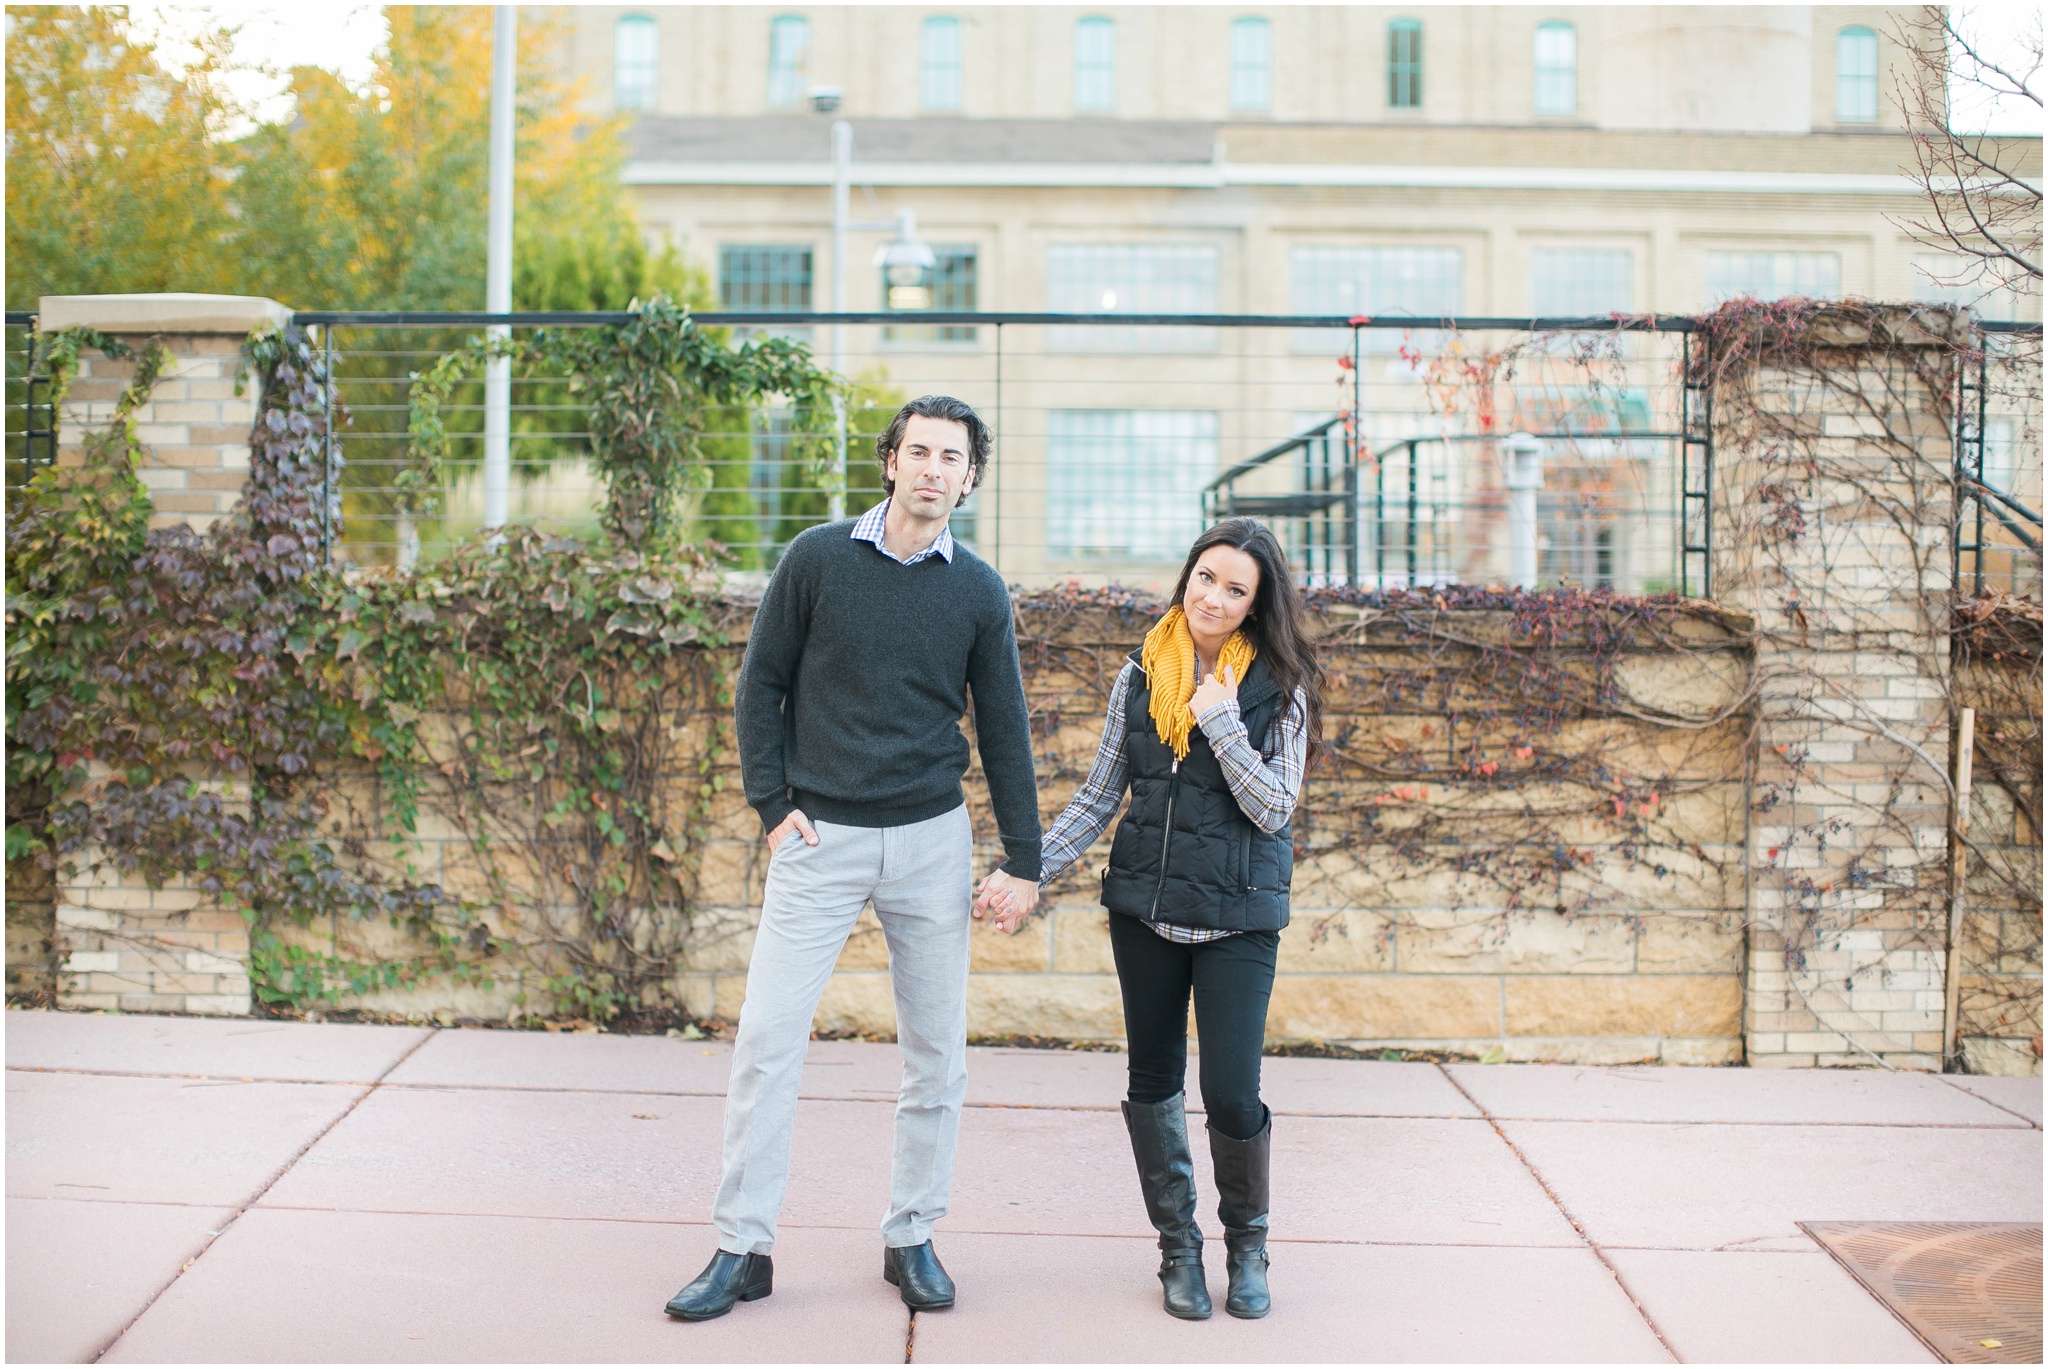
257	1196
1972	1093
1663	1342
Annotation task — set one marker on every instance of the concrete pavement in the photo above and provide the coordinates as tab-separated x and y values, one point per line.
185	1189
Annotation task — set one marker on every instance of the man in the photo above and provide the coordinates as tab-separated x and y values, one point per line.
868	642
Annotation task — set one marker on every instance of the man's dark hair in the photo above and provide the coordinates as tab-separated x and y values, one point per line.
952	410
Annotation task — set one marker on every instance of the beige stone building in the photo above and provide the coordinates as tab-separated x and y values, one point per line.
1325	160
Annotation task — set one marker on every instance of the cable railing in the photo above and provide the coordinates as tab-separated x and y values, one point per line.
1375	445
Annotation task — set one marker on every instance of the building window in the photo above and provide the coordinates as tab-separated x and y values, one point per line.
1404	64
1856	76
789	45
954	291
1772	275
1126	483
765	279
1251	64
1420	282
1131	278
1557	69
2000	469
1580	282
636	48
1094	64
939	63
1960	282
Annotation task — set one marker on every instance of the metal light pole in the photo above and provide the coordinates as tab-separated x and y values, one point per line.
907	250
498	277
842	187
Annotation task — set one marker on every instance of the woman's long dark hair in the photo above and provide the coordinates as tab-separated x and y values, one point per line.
1276	624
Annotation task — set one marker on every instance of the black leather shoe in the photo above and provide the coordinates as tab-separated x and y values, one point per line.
918	1275
1186	1284
728	1279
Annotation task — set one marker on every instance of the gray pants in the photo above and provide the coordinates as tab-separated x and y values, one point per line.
920	879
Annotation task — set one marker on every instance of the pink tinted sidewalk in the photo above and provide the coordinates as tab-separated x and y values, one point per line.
209	1190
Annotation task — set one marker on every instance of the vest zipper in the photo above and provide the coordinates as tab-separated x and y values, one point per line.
1166	838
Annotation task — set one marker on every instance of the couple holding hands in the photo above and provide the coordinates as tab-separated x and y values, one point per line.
869	641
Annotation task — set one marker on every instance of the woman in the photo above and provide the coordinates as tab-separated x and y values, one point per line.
1211	724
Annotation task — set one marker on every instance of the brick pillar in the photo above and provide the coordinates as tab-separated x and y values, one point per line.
127	946
195	428
1832	507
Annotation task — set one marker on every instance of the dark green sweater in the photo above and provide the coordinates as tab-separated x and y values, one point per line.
855	681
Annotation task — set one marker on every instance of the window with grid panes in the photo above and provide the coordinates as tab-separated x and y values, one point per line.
1131	278
939	63
1421	282
1557	68
789	42
1856	75
1251	64
1094	64
954	290
1772	275
1404	64
1580	282
758	278
636	50
1126	484
1957	281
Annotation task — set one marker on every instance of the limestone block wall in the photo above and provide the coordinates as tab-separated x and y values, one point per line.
1832	492
195	426
125	945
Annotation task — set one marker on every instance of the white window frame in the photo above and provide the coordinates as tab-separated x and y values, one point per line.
1251	64
636	62
1381	280
1856	75
788	58
1132	278
941	83
1125	484
1815	275
1557	68
1094	64
1581	282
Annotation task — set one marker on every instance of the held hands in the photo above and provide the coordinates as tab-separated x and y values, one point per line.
795	822
1005	900
1214	690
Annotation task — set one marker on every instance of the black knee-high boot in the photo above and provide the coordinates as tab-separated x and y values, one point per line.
1242	1188
1166	1174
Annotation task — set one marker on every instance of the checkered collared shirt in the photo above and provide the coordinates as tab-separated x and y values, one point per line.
1266	781
868	528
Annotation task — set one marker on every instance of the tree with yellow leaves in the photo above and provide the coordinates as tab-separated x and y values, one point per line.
120	177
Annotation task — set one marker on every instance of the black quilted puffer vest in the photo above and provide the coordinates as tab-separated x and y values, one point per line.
1185	853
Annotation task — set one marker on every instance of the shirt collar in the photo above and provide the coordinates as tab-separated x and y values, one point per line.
868	528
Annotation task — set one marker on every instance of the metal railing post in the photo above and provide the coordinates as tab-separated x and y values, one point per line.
1414	511
327	449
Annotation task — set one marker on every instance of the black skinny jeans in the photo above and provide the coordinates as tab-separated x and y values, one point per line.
1232	981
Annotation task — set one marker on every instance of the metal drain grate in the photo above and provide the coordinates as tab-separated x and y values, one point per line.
1955	1285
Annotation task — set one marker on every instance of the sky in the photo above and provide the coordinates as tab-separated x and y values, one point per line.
343	38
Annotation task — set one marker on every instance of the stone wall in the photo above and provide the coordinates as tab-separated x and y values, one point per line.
1623	958
1998	673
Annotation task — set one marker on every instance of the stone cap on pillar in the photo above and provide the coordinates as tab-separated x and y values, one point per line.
167	313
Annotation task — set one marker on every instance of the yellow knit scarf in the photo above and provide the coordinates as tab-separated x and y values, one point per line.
1168	660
